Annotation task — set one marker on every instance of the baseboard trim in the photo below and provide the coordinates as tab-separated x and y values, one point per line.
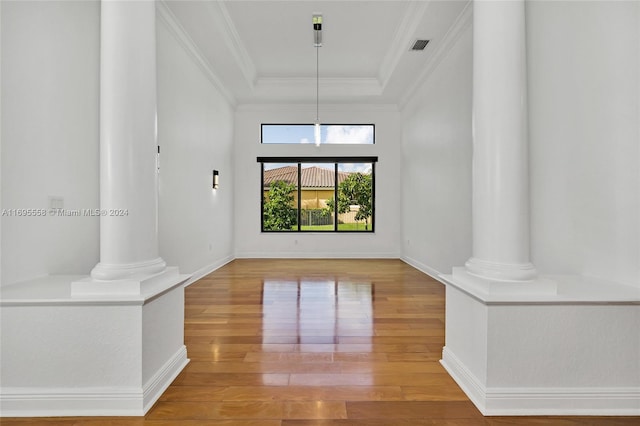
206	270
160	381
433	273
467	381
55	402
593	401
314	255
91	401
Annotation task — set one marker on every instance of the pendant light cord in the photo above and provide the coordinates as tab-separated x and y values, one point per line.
317	83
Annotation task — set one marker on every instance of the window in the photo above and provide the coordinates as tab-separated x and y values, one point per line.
363	134
299	194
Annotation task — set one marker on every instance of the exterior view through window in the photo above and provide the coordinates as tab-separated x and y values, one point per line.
343	134
299	194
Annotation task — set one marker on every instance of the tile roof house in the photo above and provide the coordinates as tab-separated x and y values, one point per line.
311	177
317	187
317	183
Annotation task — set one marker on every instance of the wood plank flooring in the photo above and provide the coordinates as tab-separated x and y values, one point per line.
315	342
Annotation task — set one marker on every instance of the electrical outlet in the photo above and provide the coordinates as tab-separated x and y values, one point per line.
56	202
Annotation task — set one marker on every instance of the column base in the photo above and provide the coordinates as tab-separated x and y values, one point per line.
542	400
501	271
109	271
97	355
143	285
492	290
572	353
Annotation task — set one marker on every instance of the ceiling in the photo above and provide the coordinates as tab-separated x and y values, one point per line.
262	51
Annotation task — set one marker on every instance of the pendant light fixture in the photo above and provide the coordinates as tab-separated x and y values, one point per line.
317	43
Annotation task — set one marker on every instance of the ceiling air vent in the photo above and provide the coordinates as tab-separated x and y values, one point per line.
419	45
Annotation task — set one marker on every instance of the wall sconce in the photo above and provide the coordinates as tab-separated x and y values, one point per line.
215	179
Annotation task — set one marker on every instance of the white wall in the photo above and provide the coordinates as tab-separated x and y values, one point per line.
1	198
436	165
584	95
50	145
50	135
573	353
195	132
250	242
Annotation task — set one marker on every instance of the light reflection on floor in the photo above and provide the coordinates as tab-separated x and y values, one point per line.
318	313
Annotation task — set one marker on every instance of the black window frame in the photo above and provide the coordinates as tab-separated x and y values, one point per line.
336	161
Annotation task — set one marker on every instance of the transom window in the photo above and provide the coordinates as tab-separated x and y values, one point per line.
344	134
299	194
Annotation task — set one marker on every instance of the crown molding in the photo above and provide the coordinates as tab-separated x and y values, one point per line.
234	43
330	88
401	40
167	17
440	52
285	108
364	86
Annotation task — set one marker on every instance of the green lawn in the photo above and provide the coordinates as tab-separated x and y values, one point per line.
341	227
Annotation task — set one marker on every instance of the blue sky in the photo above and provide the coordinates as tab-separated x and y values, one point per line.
303	133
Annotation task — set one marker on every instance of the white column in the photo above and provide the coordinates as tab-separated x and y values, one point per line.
500	147
128	141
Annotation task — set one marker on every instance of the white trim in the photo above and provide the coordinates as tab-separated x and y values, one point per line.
545	289
159	382
207	269
333	107
135	287
121	271
597	401
233	41
54	402
330	86
442	50
190	47
467	381
426	269
401	40
314	255
55	290
91	401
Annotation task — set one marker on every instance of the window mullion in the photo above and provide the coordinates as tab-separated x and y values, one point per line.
335	197
299	196
262	197
373	197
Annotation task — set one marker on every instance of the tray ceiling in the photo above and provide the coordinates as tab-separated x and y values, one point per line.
262	51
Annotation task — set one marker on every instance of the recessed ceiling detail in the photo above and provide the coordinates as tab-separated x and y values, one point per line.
365	55
419	45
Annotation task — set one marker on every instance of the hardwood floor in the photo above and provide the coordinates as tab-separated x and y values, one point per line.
316	342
